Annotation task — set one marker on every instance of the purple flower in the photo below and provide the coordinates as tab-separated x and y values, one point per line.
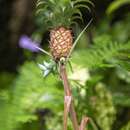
27	43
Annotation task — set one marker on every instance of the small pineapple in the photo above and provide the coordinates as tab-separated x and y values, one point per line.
60	42
57	16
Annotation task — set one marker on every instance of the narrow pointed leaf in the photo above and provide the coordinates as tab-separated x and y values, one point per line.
42	67
40	3
78	12
79	38
46	72
83	6
77	17
87	1
46	64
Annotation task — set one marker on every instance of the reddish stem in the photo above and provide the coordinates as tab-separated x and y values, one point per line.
67	90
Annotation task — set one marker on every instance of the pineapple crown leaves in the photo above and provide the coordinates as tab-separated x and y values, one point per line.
54	13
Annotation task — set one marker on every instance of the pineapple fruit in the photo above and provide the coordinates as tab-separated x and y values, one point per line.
60	42
57	16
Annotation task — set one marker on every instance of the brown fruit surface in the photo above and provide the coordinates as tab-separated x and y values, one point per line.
60	42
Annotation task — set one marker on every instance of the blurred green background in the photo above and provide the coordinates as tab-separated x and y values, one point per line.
101	70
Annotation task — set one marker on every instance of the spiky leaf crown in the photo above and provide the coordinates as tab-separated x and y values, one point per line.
54	13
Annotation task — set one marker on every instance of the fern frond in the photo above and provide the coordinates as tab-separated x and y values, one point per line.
6	123
32	92
99	55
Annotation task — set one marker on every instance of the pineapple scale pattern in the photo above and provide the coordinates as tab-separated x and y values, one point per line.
60	42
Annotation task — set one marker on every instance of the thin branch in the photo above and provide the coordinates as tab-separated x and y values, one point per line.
83	123
67	102
68	93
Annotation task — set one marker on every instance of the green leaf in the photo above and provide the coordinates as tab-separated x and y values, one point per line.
99	55
102	106
82	6
126	127
80	1
116	4
31	91
39	3
77	12
121	99
76	18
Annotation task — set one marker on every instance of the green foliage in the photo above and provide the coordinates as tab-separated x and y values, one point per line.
102	107
6	79
116	4
118	31
54	13
102	54
5	110
127	127
48	67
56	122
123	74
32	92
93	96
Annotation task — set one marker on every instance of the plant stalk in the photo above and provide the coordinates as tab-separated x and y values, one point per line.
67	90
